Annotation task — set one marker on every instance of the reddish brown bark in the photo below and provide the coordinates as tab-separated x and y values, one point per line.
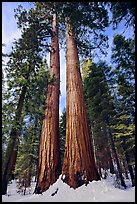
49	167
79	163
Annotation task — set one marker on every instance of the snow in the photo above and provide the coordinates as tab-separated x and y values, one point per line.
96	191
63	177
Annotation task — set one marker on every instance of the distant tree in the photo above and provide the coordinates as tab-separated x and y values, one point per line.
123	56
33	113
62	125
99	105
101	110
20	69
123	11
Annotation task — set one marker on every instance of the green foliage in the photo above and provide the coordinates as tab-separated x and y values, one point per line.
100	109
124	133
123	55
33	113
109	97
123	125
85	68
26	72
88	20
97	92
36	93
91	19
123	10
62	125
27	154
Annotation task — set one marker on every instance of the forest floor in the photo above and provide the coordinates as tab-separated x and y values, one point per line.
104	190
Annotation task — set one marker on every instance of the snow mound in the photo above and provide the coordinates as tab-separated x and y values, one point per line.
96	191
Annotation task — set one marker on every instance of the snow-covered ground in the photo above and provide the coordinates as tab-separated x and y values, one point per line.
95	191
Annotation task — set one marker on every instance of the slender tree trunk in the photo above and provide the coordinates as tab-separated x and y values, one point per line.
79	163
12	148
125	168
49	167
94	145
116	158
99	169
128	164
111	166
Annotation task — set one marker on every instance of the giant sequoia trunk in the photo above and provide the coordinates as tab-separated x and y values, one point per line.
11	151
79	163
49	167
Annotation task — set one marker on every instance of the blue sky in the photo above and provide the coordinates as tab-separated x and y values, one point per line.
9	25
11	32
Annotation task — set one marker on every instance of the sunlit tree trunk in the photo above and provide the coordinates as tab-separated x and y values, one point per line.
79	163
49	167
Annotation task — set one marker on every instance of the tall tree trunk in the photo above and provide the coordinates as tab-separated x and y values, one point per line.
128	163
99	169
125	168
93	143
49	167
79	163
111	166
117	160
11	151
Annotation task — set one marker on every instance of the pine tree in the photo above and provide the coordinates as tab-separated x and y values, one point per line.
19	71
123	10
33	113
99	104
62	124
123	55
101	112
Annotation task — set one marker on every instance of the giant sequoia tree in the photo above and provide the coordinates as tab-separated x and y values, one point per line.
47	170
79	34
49	166
79	164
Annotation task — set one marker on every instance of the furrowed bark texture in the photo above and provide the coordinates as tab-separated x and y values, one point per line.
49	167
79	163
